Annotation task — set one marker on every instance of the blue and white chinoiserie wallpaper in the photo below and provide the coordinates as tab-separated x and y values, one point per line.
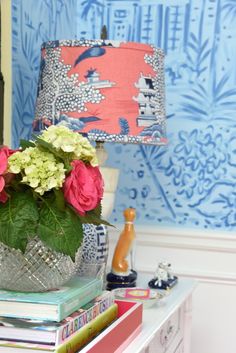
192	182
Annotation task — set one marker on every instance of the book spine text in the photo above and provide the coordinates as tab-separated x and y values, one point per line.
89	331
84	316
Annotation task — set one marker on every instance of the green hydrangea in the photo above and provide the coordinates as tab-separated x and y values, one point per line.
67	141
40	170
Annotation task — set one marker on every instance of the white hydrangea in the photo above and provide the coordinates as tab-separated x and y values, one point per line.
40	170
68	141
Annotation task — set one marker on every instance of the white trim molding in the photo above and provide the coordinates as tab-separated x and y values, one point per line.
204	255
188	239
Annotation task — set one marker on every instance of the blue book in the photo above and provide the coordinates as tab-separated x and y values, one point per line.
53	305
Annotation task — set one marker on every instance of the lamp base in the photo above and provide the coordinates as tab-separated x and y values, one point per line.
110	177
119	281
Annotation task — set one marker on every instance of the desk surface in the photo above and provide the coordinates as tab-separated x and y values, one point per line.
155	316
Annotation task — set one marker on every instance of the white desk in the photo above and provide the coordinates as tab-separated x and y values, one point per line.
167	324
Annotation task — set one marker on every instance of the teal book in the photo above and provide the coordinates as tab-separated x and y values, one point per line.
53	305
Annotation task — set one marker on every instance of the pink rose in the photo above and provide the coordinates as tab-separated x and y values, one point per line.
83	188
5	177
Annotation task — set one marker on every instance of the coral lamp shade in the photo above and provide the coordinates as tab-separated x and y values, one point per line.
107	90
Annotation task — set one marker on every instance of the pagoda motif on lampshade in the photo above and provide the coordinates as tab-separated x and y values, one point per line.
107	90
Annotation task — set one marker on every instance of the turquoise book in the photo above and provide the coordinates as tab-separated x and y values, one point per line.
54	305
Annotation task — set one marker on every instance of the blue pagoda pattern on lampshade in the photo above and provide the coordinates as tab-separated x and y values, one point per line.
110	91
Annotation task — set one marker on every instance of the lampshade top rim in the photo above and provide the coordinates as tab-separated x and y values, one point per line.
100	42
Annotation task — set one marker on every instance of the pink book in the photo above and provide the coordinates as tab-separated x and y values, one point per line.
119	334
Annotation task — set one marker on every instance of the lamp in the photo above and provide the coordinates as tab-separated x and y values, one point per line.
109	91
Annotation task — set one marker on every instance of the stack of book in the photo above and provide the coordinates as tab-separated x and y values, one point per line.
59	321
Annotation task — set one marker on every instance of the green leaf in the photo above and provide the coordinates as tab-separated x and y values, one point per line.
24	144
48	146
60	230
18	220
94	217
98	210
59	199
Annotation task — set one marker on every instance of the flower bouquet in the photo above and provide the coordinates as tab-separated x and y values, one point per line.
49	188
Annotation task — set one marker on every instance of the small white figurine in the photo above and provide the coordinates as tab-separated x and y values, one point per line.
167	267
163	276
163	273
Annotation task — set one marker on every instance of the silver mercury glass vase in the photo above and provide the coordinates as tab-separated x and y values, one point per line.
39	269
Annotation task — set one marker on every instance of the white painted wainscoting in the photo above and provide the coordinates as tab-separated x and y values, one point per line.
208	257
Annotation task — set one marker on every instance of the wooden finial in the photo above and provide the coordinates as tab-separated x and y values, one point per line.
104	32
129	214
